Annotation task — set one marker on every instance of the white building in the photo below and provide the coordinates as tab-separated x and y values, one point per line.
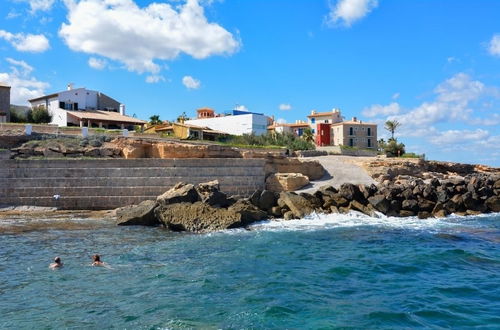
83	107
237	123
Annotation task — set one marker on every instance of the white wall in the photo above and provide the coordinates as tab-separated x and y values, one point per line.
59	116
235	125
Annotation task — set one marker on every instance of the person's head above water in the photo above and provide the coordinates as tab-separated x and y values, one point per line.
96	258
57	260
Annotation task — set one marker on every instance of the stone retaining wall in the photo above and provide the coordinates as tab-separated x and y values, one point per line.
110	183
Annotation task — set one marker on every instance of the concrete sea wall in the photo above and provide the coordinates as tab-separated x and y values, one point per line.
95	184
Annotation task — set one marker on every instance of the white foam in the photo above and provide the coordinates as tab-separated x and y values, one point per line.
356	219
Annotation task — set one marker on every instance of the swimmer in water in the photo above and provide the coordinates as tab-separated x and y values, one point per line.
56	264
97	261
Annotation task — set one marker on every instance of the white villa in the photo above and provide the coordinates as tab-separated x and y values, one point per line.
238	122
83	107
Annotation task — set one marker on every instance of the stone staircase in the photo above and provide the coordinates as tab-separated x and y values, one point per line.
95	184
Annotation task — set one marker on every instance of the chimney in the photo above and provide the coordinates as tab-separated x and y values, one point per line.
122	109
354	119
313	112
70	86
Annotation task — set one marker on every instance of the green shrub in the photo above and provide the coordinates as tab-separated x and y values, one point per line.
394	149
39	115
285	140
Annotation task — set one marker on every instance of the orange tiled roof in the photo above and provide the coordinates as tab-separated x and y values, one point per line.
350	122
321	114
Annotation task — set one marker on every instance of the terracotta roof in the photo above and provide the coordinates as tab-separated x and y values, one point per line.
101	115
321	114
205	109
350	122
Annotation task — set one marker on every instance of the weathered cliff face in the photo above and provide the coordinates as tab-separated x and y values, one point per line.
312	169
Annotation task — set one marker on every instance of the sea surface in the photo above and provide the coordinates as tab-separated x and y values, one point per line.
321	272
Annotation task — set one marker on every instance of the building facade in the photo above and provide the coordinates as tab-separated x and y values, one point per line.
330	129
236	123
83	107
4	103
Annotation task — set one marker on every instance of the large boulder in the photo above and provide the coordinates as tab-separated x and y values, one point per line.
141	214
286	181
493	203
298	205
267	200
180	193
380	203
210	194
351	192
200	217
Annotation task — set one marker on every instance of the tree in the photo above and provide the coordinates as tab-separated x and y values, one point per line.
392	126
308	135
182	118
394	149
155	120
381	145
39	115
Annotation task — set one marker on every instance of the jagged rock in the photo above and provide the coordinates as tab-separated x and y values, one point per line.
334	209
351	192
423	215
380	203
254	199
493	203
357	206
180	193
367	191
298	205
406	213
286	181
439	211
276	211
315	202
267	200
248	212
410	205
209	193
425	205
141	214
289	215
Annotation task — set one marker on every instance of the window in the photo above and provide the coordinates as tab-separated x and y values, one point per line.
313	131
326	121
369	141
369	133
351	131
313	120
62	105
351	142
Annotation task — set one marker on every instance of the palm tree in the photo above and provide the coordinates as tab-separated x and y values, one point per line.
308	135
392	126
154	120
182	118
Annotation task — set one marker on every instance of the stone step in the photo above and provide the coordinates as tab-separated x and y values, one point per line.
125	181
119	172
84	191
122	163
76	202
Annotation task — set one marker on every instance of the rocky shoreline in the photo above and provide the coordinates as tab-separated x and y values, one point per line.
204	208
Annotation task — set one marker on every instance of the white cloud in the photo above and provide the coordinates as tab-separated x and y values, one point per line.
494	45
395	96
42	5
346	12
451	137
240	107
191	82
384	110
153	79
285	107
23	85
97	63
135	36
35	43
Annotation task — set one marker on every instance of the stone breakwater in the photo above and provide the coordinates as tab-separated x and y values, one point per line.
205	208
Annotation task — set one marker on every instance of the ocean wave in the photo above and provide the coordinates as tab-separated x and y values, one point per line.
356	219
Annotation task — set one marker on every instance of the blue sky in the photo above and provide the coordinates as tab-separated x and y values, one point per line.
432	65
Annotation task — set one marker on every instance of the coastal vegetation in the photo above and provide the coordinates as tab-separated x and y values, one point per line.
38	115
269	140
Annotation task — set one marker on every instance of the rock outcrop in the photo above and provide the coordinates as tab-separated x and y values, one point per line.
139	215
286	181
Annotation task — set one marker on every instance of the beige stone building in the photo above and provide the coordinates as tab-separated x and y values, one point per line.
4	103
354	133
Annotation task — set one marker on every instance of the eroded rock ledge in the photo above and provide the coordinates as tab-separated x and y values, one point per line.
204	208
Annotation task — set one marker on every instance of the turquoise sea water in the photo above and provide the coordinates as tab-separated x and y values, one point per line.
316	273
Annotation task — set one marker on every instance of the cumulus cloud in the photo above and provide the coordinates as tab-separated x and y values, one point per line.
136	37
23	85
459	136
384	110
34	43
40	5
395	96
494	45
97	63
285	107
240	107
191	83
346	12
154	78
